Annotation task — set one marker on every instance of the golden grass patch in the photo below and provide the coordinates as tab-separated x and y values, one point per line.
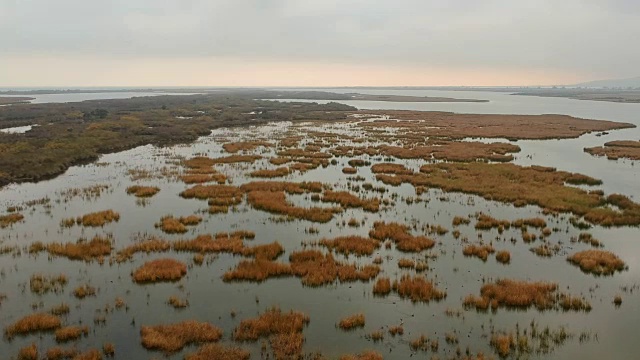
271	173
160	270
365	355
42	284
69	333
172	225
10	219
351	245
348	200
399	234
143	191
95	248
33	323
382	286
28	352
147	246
514	294
173	337
597	262
99	218
418	289
352	321
218	352
479	251
276	202
614	150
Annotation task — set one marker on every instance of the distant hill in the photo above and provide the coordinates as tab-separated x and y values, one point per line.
612	83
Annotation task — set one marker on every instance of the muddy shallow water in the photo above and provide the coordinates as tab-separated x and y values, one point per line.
611	330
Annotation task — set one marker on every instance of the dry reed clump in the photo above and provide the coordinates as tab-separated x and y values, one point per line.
396	330
575	303
160	270
614	150
528	186
219	195
385	168
91	354
417	288
99	218
479	251
171	225
85	250
400	235
59	353
358	163
587	238
61	309
348	200
234	147
459	220
108	349
173	337
83	291
349	170
453	151
69	333
382	286
218	352
276	202
142	191
316	269
365	355
210	176
271	173
287	346
257	270
503	256
10	219
42	284
351	245
351	322
486	222
597	262
148	246
232	159
405	263
28	352
503	344
178	303
533	222
33	323
278	186
514	293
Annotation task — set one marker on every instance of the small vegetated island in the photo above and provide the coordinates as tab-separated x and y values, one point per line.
326	203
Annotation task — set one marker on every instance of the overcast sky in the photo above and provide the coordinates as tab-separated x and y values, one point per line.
316	43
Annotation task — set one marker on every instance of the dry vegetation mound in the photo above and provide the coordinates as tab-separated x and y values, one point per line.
173	337
348	200
399	234
160	270
10	219
33	323
96	248
615	150
365	355
218	352
143	191
352	321
99	218
351	245
597	262
171	225
418	289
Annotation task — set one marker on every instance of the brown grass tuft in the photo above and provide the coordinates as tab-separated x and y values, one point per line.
385	168
83	291
597	262
503	256
417	288
173	337
99	218
42	284
272	321
514	293
82	249
10	219
69	333
348	200
148	246
171	225
382	286
28	352
365	355
276	202
160	270
32	323
218	352
143	191
351	322
399	234
59	353
480	251
351	245
271	173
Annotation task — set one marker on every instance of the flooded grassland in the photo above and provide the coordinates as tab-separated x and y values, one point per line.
386	235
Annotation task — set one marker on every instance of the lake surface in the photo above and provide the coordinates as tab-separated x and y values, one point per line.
612	331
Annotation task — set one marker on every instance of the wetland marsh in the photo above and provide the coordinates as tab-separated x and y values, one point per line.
224	226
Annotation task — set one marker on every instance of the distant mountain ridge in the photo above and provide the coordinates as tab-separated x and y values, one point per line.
612	83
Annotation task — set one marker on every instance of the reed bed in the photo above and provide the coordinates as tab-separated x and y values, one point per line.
351	245
69	333
10	219
597	262
399	234
147	246
614	150
385	168
348	200
160	270
234	147
349	170
352	322
382	286
96	248
83	291
276	202
271	173
418	289
271	321
173	337
99	218
42	284
59	353
29	352
33	323
514	294
172	225
213	176
216	194
177	303
503	257
143	191
218	352
479	251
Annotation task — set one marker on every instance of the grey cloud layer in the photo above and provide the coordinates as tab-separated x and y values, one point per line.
587	35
